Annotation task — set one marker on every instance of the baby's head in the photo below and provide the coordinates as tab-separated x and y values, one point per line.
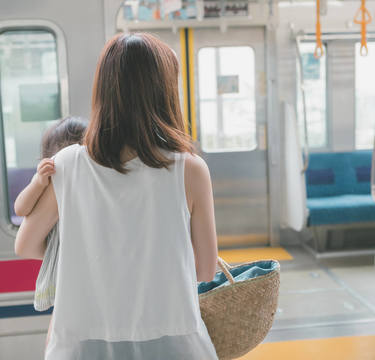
67	131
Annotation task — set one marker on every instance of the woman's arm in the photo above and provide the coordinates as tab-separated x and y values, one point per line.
201	205
31	236
49	331
29	196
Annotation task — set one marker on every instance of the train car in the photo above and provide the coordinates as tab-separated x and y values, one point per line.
279	98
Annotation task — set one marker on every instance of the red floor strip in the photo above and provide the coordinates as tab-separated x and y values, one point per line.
18	275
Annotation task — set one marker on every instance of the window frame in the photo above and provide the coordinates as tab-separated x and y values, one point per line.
199	132
6	224
328	137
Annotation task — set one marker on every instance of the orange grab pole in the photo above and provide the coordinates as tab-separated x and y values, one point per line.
319	46
363	18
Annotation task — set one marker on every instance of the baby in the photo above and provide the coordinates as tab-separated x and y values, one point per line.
66	132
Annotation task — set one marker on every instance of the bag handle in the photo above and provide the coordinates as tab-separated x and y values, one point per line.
225	267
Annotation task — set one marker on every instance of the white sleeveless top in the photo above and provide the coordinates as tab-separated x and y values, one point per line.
126	282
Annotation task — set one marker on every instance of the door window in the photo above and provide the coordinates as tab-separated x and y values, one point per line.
227	98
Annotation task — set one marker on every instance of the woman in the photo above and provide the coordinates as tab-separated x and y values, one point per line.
136	219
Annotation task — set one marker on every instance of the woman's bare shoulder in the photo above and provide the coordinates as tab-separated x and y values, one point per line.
195	166
197	176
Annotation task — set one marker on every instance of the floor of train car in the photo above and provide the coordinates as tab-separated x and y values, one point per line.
326	311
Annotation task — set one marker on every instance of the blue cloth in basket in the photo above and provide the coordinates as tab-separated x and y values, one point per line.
240	273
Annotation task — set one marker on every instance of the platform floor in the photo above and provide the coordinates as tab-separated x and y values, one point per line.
326	311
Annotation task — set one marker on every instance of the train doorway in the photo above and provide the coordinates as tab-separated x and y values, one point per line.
226	115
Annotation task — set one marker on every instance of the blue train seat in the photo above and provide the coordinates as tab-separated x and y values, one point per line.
338	188
17	181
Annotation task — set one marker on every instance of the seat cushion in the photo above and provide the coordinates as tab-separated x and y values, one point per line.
341	209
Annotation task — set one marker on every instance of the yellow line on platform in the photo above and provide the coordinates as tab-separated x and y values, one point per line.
253	254
243	239
342	348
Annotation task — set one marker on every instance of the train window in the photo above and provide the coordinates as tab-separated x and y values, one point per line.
364	97
30	101
227	98
314	71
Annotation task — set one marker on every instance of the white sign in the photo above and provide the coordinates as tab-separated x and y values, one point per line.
170	6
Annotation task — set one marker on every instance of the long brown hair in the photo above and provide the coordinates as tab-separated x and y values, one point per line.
67	131
135	103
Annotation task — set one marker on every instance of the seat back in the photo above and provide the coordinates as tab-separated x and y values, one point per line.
360	162
333	174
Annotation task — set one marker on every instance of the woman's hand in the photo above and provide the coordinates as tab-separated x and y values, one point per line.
46	168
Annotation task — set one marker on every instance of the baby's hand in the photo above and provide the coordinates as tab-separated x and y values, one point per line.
45	169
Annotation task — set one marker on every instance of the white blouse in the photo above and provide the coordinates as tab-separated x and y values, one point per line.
126	282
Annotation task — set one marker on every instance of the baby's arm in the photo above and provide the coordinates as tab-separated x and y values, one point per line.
29	196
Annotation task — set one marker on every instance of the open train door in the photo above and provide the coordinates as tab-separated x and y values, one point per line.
229	126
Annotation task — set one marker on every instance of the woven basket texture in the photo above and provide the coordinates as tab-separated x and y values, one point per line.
239	316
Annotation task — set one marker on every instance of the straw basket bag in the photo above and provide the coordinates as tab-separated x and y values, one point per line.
239	305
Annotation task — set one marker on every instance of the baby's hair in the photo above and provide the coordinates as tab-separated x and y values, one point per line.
67	131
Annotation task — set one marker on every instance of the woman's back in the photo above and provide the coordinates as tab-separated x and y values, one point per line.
126	280
130	253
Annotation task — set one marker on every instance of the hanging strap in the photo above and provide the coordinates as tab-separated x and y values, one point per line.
363	18
319	51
